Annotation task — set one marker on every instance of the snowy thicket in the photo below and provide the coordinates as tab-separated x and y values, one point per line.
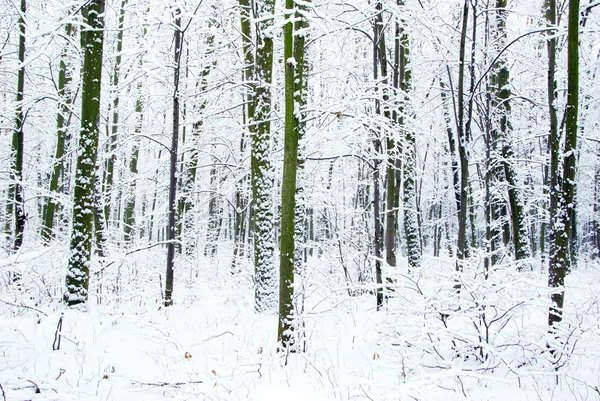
429	342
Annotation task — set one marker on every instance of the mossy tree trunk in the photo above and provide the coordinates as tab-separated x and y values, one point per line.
108	177
500	132
92	38
294	73
15	209
563	201
260	160
62	124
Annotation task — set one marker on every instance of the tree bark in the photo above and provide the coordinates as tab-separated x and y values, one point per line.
92	37
114	130
561	217
501	142
62	124
173	160
462	150
288	188
15	208
261	170
378	241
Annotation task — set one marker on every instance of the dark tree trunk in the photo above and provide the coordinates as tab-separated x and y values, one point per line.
173	170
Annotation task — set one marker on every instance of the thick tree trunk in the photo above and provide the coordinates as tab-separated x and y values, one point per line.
92	37
261	170
561	217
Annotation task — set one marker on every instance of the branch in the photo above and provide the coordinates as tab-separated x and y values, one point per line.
24	306
166	384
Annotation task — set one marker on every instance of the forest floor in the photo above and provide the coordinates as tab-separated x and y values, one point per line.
428	343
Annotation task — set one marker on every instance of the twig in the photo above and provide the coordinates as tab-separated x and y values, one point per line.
166	384
366	395
57	336
217	336
37	388
3	393
24	306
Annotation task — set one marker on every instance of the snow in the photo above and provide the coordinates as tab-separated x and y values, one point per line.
212	345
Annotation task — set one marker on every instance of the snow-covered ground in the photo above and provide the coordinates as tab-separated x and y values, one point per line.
429	343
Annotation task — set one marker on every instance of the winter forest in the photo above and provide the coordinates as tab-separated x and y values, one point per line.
299	199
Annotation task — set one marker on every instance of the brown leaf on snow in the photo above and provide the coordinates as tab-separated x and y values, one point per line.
375	356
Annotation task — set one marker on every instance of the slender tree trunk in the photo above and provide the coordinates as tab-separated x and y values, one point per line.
288	188
411	221
377	224
214	215
185	203
462	149
112	140
500	135
248	112
62	124
561	217
129	212
129	222
451	143
92	37
171	226
15	207
393	160
300	94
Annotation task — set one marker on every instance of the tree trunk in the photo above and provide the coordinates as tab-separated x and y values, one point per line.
462	150
185	202
112	140
500	137
300	94
561	216
92	37
248	112
171	226
15	207
377	224
394	163
62	124
288	188
411	222
261	170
